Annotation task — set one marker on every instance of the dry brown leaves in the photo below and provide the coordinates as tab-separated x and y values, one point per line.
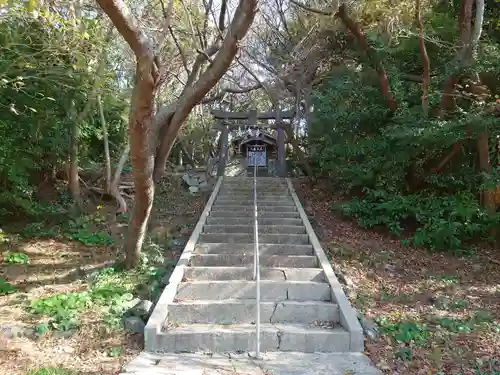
397	282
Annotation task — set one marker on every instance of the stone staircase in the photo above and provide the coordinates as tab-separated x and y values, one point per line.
209	304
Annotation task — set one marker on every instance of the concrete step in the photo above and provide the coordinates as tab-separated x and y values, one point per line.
244	210
249	221
243	311
264	229
264	249
241	337
296	239
262	214
238	260
270	290
246	273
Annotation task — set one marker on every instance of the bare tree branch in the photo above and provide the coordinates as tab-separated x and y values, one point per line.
127	26
181	51
225	91
172	121
312	10
222	16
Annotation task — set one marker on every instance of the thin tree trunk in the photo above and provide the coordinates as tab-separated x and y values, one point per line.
487	195
74	179
426	75
107	157
122	204
447	102
358	33
300	154
74	182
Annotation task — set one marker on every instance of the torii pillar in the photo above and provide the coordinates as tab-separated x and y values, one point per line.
223	150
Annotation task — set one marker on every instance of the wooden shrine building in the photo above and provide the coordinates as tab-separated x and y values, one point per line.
256	146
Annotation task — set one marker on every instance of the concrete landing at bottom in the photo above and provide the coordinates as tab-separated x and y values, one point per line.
272	363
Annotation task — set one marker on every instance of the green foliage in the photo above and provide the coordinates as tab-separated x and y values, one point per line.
383	161
46	75
444	222
111	292
6	288
405	332
83	229
15	258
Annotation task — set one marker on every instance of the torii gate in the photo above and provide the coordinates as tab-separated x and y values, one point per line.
222	124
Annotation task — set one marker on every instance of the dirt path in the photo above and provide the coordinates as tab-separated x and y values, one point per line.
436	313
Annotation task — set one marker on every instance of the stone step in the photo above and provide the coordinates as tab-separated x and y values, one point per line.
262	214
260	202
260	197
249	221
260	180
243	311
272	363
238	260
269	290
264	249
260	192
264	229
246	210
251	187
241	338
296	239
246	273
250	184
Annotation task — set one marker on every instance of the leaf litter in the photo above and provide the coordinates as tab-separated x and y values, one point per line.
436	313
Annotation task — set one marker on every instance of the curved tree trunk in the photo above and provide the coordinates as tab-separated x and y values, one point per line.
152	137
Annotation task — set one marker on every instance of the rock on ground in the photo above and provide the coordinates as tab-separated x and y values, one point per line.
134	324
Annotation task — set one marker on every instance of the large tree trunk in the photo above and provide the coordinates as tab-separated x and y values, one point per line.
152	138
142	158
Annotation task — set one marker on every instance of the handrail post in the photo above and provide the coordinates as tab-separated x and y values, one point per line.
256	265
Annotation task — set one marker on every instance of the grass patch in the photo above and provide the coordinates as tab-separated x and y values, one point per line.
49	371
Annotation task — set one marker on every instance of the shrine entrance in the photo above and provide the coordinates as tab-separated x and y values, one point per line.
256	145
